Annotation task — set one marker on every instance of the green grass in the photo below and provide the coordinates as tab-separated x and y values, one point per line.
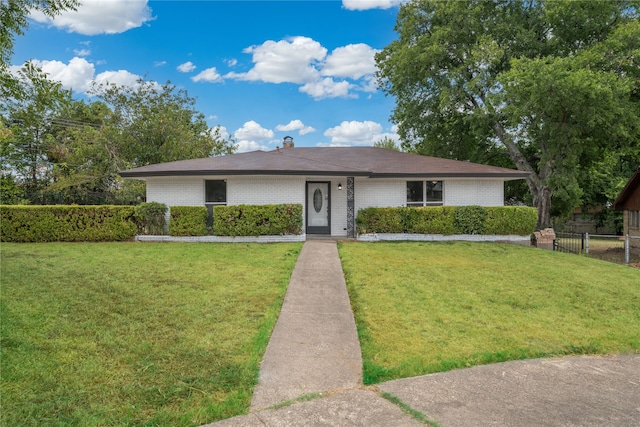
110	334
431	307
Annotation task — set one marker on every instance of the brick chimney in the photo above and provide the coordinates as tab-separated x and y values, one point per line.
287	142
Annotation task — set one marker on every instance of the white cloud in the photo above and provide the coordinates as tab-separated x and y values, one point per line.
160	63
232	62
245	146
352	61
303	61
208	75
327	88
251	136
369	84
355	132
219	131
252	130
295	125
79	73
76	75
120	78
332	144
285	61
82	52
187	67
100	17
370	4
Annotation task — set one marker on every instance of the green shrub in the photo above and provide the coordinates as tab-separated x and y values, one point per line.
447	220
432	220
469	219
188	221
257	220
515	220
379	220
151	218
60	223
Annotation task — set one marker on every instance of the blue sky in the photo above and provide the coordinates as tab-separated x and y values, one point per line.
260	69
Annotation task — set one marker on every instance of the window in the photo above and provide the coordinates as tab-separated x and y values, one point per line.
215	192
634	219
434	193
415	193
424	193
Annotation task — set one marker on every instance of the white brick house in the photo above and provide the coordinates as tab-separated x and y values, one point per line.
331	183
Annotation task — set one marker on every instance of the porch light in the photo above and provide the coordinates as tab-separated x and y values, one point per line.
339	186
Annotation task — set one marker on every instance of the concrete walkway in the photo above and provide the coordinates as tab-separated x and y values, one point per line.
311	374
314	346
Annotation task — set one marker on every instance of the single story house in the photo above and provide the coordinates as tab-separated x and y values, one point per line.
332	183
628	201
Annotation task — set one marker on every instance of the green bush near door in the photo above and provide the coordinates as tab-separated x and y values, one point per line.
257	220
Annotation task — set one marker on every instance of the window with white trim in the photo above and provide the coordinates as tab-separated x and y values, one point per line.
425	193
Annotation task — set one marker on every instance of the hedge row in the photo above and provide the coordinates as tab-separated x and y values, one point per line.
59	223
188	221
257	220
447	220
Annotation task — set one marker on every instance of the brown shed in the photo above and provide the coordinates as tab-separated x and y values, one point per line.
628	201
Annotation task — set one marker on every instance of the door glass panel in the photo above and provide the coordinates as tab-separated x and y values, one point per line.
318	204
317	200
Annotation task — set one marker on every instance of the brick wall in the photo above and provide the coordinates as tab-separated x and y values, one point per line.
464	192
183	191
260	190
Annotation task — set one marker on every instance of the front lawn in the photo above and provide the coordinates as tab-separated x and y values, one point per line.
429	307
135	334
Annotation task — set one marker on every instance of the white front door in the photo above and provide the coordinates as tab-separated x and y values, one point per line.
318	208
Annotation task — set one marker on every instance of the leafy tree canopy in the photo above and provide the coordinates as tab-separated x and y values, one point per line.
554	87
61	150
13	22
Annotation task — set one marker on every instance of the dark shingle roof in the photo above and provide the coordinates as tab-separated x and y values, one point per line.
326	161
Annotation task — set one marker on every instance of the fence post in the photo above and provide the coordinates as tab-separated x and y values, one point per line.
626	249
586	243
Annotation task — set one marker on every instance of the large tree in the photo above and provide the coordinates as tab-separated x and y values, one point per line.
14	20
551	85
25	150
126	127
151	123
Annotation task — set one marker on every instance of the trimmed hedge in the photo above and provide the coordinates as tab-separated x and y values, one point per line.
61	223
257	220
515	220
150	218
188	221
448	220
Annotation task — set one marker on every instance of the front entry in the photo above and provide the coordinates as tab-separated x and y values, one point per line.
318	208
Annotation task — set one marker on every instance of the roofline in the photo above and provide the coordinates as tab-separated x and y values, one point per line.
509	175
514	175
623	196
238	173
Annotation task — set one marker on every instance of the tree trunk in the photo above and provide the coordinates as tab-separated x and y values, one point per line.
536	182
542	200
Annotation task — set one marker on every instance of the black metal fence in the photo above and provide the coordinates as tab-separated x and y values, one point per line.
618	249
569	242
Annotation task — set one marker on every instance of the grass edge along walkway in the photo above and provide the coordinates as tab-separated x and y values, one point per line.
425	307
